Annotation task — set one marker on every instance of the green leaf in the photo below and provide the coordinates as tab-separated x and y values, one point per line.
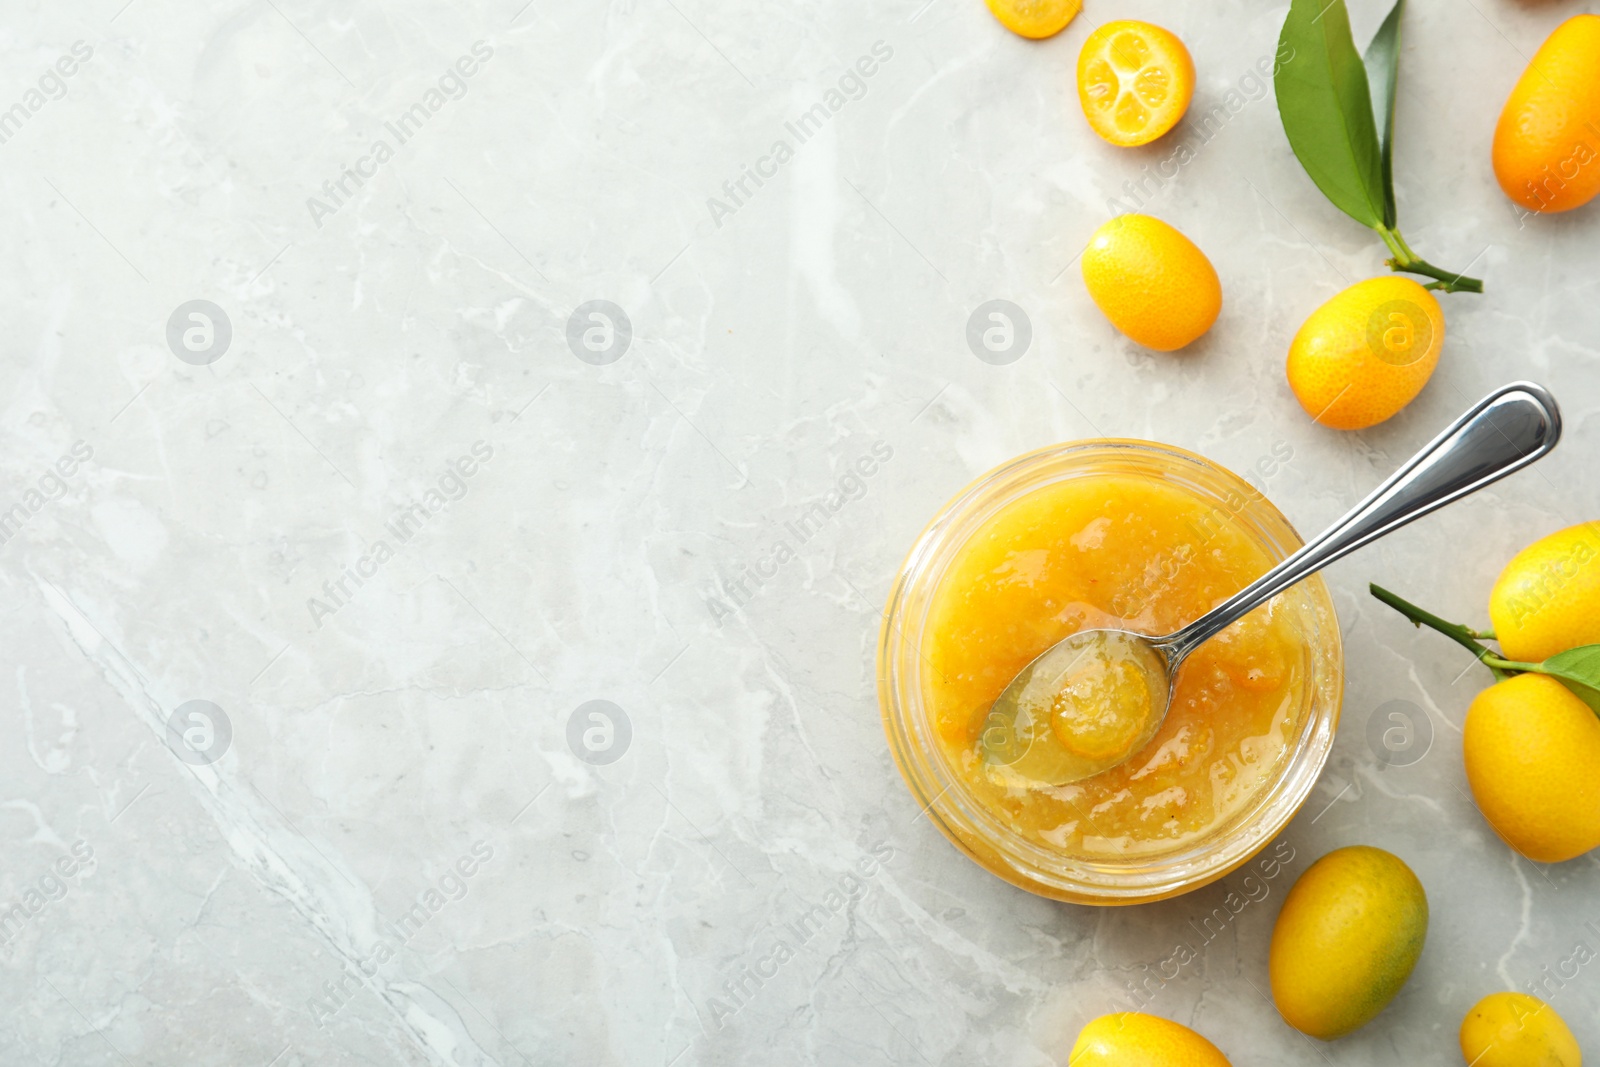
1383	75
1326	108
1579	670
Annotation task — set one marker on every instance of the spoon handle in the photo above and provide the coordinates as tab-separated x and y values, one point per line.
1504	432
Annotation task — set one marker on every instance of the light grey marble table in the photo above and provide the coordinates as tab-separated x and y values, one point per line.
368	508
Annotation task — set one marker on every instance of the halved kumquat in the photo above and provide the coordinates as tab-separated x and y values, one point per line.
1135	81
1035	18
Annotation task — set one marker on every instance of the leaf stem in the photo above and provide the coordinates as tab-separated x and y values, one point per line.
1408	261
1461	635
1447	281
1395	242
1404	259
1405	249
1494	662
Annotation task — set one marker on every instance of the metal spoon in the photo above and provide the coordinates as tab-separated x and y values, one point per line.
1504	432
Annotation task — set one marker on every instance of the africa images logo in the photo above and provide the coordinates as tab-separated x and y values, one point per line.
452	85
796	532
52	86
852	85
450	887
52	485
451	487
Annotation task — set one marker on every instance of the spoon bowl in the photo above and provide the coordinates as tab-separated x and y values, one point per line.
1044	728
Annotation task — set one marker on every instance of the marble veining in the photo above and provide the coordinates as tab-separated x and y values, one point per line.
456	455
